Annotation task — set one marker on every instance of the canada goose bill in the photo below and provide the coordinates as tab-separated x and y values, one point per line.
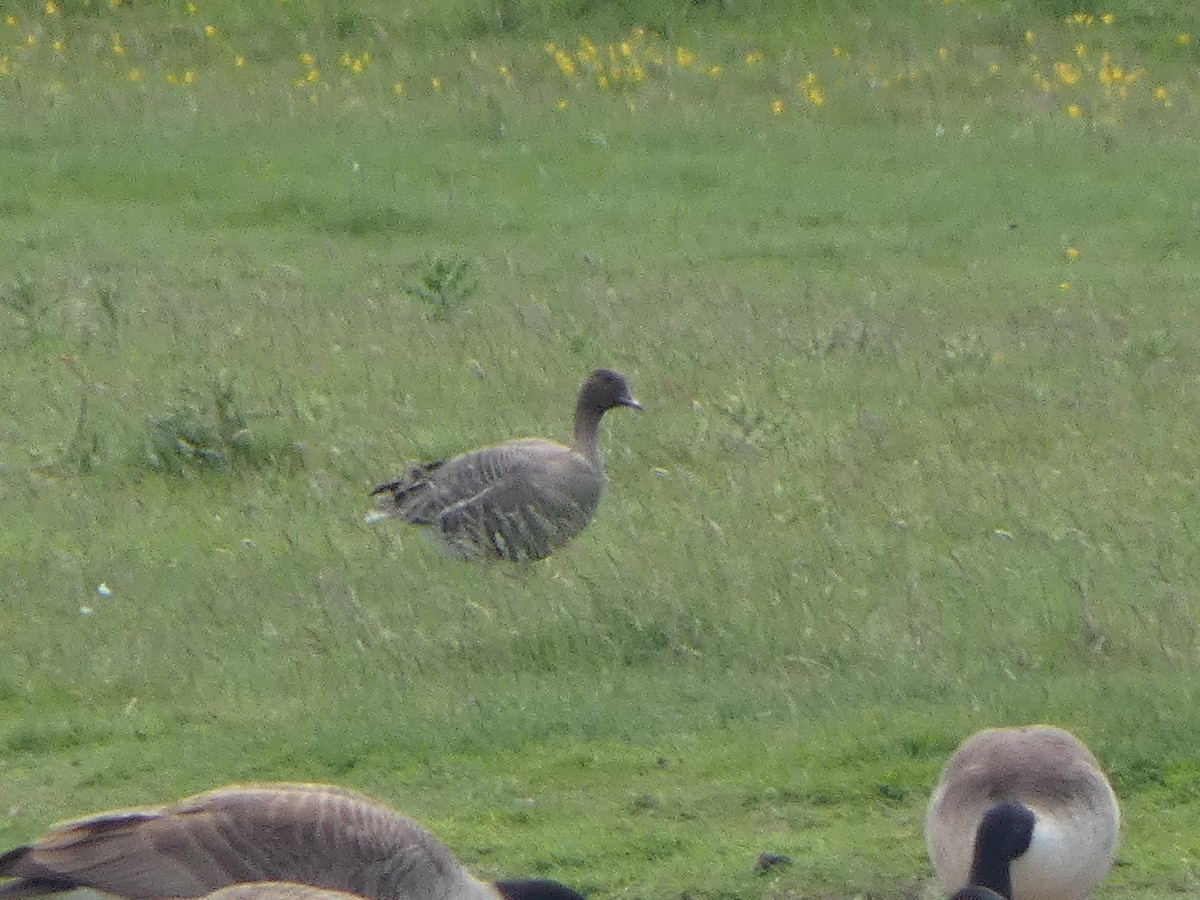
519	500
1022	813
255	842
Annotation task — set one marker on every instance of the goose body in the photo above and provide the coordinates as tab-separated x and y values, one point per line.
277	890
518	500
1024	814
255	842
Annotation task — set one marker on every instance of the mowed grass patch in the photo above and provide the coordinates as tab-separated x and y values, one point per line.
917	358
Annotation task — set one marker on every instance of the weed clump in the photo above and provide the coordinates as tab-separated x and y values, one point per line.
207	433
444	283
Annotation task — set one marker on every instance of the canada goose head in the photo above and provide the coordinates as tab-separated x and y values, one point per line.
976	893
536	889
603	390
1022	813
1004	833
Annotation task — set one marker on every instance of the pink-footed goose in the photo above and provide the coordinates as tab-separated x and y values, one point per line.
1023	814
518	500
255	842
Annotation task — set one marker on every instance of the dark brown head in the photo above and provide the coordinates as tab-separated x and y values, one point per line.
605	389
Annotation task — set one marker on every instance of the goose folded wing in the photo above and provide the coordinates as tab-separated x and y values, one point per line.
323	837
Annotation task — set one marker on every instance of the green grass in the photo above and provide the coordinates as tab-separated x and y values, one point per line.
907	469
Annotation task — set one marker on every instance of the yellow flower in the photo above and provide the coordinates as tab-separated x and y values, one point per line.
993	68
714	71
10	21
313	75
172	78
777	106
1081	49
398	88
561	104
5	65
189	77
31	40
51	8
1064	285
191	8
1074	111
356	67
1107	18
307	59
118	48
239	62
839	53
1183	38
114	3
943	53
753	57
1072	252
135	75
1066	73
435	83
210	31
565	64
684	57
816	96
58	46
1029	36
1160	93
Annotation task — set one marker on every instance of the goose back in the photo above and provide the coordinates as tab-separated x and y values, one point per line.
315	835
278	890
1048	772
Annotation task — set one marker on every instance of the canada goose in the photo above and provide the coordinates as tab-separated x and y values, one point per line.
277	890
269	841
518	500
1024	813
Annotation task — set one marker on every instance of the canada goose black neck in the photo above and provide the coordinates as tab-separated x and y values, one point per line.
975	892
603	390
536	889
1004	833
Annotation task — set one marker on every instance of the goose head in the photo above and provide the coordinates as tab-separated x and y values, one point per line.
536	889
1005	832
605	389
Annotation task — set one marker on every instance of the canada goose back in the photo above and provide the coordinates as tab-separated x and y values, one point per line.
277	890
517	500
315	835
1073	818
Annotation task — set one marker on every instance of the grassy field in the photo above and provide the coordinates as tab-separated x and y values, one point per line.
909	299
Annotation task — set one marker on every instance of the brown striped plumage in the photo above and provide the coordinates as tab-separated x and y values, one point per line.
272	841
518	500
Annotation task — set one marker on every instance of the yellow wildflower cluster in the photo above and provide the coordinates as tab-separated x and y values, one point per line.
630	60
1097	84
1066	60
